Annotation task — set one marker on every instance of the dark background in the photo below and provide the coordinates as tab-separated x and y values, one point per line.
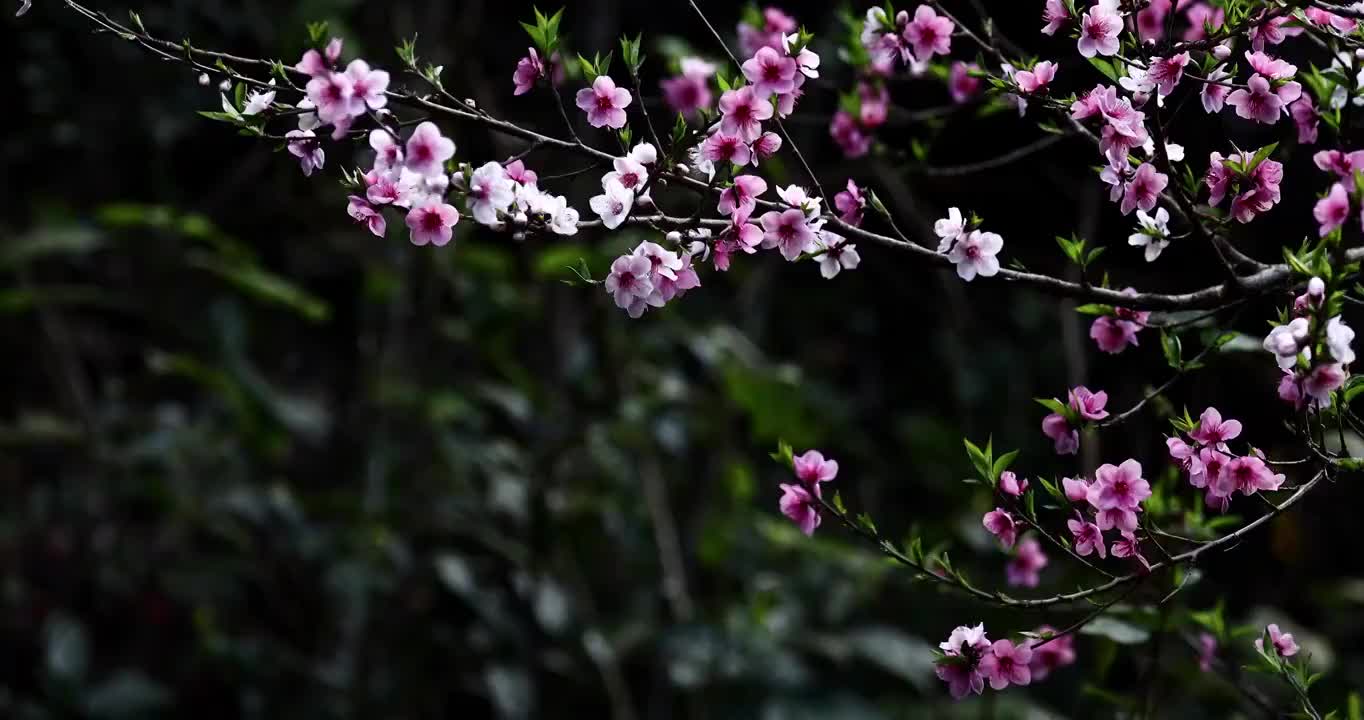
258	463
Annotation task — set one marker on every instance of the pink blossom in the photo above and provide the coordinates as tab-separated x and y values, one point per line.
304	145
720	147
1144	189
961	84
1007	664
1066	439
742	194
604	103
766	146
786	230
490	192
1086	537
1324	17
1076	489
685	278
1332	210
742	113
874	104
770	73
362	212
386	190
1028	560
975	254
529	69
664	263
1050	654
1322	381
1341	163
849	134
1119	486
1339	337
929	34
427	149
849	204
1290	390
1272	32
1283	642
1271	67
1305	117
812	468
1213	430
630	172
518	173
334	96
630	285
1167	72
1113	335
1210	464
1057	16
313	63
835	254
801	505
1011	484
1099	30
1001	524
388	152
686	94
1259	102
368	85
1089	405
1151	21
432	222
1207	651
1263	194
1128	546
960	668
1214	93
1248	474
1036	80
1202	16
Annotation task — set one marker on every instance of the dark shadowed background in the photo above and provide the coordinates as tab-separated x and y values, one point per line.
258	463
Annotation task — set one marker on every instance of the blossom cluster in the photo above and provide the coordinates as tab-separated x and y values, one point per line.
1308	380
1063	424
801	501
968	659
973	251
1211	466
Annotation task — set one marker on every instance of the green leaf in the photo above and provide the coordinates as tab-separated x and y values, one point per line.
1108	69
1052	404
1002	463
1119	631
265	286
1095	309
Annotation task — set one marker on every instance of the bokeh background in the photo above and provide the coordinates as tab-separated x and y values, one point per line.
258	463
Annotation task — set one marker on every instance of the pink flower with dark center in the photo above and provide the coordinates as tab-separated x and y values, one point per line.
362	212
720	147
432	222
1128	546
849	134
1119	486
1057	16
1210	463
630	285
743	194
961	85
1271	67
686	279
1116	517
664	263
1248	475
766	146
850	204
1332	210
604	103
1050	654
1099	30
1113	335
427	150
1007	664
874	105
313	63
812	468
1263	194
1089	405
801	505
305	146
1167	72
1283	642
1323	17
1341	163
368	85
770	73
1259	102
529	69
385	191
1322	381
742	113
1144	189
334	96
1272	32
975	254
786	230
1086	537
517	172
1214	94
960	667
1213	430
1066	438
1202	17
1075	489
1036	80
388	152
929	34
1001	524
1011	484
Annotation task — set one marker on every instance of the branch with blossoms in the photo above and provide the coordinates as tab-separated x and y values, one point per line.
1129	89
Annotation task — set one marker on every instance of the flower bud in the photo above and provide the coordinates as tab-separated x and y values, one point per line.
203	79
674	238
1139	99
225	85
1222	52
1316	288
